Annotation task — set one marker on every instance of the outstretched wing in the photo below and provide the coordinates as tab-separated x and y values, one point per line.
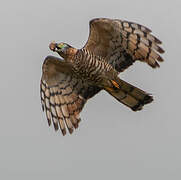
123	42
63	95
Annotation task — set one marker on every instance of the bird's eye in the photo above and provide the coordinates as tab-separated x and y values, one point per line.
60	46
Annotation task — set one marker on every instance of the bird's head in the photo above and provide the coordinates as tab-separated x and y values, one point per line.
63	49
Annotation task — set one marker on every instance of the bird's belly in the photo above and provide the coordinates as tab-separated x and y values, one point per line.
90	75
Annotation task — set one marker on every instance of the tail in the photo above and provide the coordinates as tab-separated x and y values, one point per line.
128	94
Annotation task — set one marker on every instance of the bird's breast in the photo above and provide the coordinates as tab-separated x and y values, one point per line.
89	67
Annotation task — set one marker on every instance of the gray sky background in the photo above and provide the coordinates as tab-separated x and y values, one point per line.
112	142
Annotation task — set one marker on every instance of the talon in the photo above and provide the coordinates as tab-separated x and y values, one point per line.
115	84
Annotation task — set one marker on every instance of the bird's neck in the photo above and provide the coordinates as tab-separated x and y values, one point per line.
70	53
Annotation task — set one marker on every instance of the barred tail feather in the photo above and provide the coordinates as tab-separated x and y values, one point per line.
129	95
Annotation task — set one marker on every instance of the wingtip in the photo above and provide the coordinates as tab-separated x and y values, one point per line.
71	130
160	50
160	59
63	132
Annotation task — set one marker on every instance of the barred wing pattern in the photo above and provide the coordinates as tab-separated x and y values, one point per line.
62	95
123	42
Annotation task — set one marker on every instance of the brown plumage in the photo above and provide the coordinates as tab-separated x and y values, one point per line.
113	46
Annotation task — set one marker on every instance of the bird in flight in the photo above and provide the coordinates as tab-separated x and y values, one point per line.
68	82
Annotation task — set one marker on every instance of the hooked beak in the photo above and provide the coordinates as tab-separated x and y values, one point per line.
54	46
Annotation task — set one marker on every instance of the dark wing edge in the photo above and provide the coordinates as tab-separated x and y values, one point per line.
62	95
123	42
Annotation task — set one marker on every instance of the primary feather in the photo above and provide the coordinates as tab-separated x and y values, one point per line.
113	45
